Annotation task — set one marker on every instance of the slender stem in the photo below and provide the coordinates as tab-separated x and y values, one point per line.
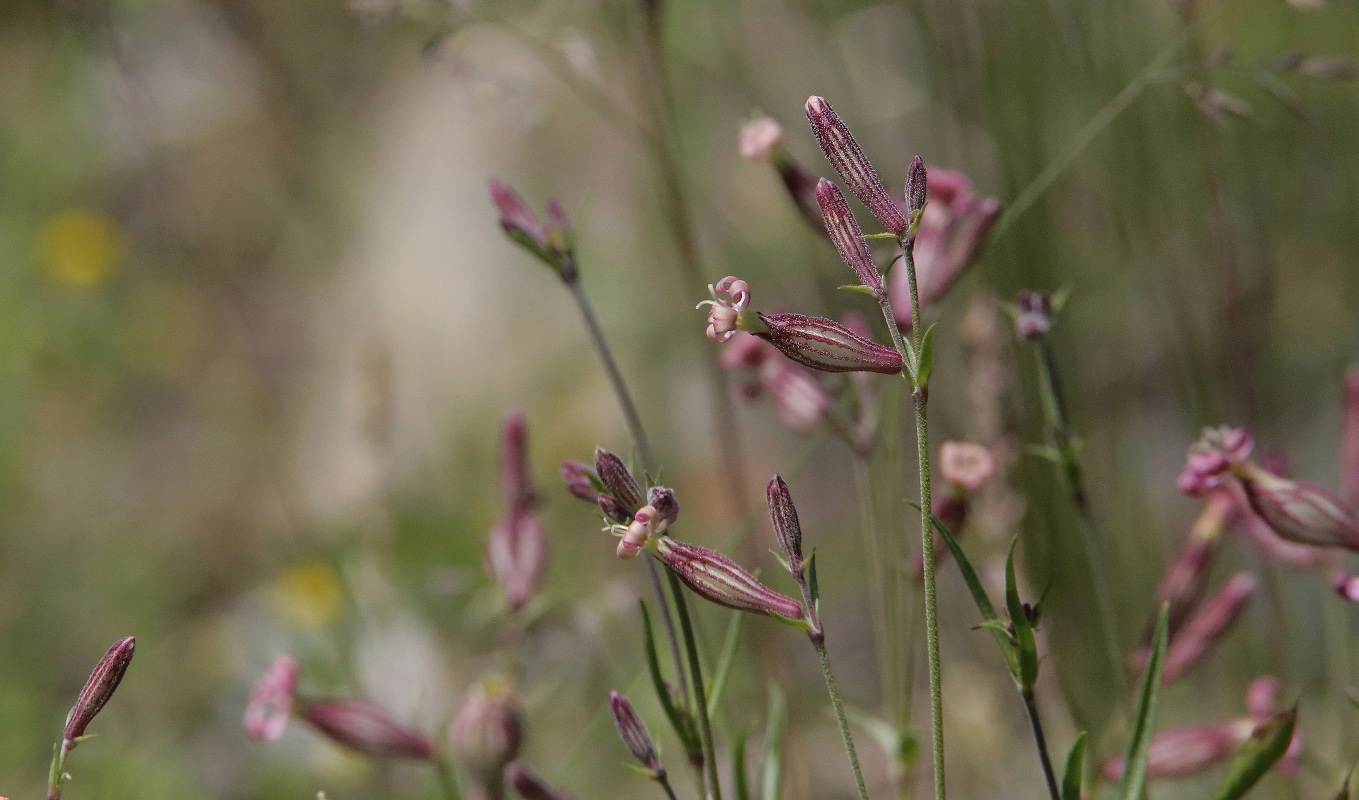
448	785
920	396
669	791
620	389
883	641
819	641
1031	705
712	789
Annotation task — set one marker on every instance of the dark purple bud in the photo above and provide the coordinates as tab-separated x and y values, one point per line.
613	473
613	510
1035	315
848	159
577	476
634	734
826	345
915	188
666	506
367	729
100	686
787	529
529	786
717	578
845	233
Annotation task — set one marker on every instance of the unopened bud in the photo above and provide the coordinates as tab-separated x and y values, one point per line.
845	233
367	729
515	555
848	159
100	686
1205	628
1035	315
1349	442
800	184
826	345
1299	511
787	529
613	473
667	508
577	477
717	578
271	700
915	188
1187	751
488	731
634	734
551	243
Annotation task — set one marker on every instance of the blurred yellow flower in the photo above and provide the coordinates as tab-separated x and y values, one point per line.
80	248
309	595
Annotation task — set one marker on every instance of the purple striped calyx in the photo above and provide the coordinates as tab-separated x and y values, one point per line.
635	735
848	159
826	345
787	529
100	686
717	578
845	233
1297	510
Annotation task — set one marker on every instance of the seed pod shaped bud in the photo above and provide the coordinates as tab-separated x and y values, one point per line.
848	159
515	481
826	345
1187	751
717	578
966	465
760	139
613	473
1035	315
271	700
1204	629
800	184
800	401
1299	511
576	475
367	729
915	188
634	734
516	553
529	786
551	243
666	506
787	529
845	233
100	686
1349	442
488	731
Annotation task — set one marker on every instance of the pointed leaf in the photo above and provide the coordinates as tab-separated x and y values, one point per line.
860	288
1144	722
776	728
1075	766
1266	745
1019	620
678	719
738	765
724	661
926	358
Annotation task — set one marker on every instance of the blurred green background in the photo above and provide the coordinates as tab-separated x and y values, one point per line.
258	329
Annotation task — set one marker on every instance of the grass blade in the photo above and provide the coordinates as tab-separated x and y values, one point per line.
724	662
776	728
678	721
1266	745
1075	766
1144	723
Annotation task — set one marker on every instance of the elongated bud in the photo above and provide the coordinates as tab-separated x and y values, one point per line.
845	233
1204	629
516	553
1187	751
100	686
1035	315
1298	511
800	184
613	473
577	477
717	578
367	729
800	401
634	734
787	529
515	480
551	243
915	188
826	345
272	699
848	159
529	786
1349	442
488	731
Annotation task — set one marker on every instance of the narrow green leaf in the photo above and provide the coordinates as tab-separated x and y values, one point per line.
738	767
813	586
1075	766
776	728
871	236
858	287
678	720
926	358
1019	620
724	661
1144	723
1266	745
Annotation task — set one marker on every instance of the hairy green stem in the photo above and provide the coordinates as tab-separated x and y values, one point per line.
819	641
620	389
1036	722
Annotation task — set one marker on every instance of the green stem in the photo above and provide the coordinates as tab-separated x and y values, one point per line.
448	785
883	641
712	789
1036	722
819	641
669	791
620	389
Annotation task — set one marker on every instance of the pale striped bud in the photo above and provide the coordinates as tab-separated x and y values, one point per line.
1187	751
99	687
717	578
1299	511
635	736
826	345
367	729
488	731
845	233
848	159
1205	628
515	481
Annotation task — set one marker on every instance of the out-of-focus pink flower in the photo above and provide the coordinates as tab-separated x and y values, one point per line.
1347	586
966	465
760	139
488	731
746	350
952	232
367	729
1035	316
271	700
1349	442
1212	457
724	315
1298	511
1262	697
800	401
1205	628
848	159
1187	751
516	550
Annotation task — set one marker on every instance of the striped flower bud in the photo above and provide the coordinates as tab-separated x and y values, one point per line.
848	159
271	700
635	736
787	529
1298	511
367	729
577	477
551	243
100	686
717	578
916	188
488	732
845	233
1204	629
666	506
613	473
826	345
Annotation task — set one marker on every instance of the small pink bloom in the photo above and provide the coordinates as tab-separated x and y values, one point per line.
1262	698
746	350
966	465
760	139
1187	751
551	242
271	701
367	729
1035	315
724	316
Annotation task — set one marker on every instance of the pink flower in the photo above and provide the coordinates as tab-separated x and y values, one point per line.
1205	628
271	700
367	729
724	315
966	465
760	139
1212	456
